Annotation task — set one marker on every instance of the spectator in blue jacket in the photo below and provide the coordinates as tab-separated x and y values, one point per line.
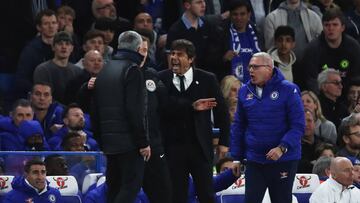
267	131
9	126
47	111
33	187
74	121
32	137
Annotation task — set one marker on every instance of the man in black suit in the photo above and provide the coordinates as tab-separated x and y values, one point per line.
192	94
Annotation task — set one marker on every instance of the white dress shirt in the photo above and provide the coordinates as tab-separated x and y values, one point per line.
187	79
331	191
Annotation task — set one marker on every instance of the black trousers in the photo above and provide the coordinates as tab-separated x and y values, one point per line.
124	175
156	183
278	177
189	159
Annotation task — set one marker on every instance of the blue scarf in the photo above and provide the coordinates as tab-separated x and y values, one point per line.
245	44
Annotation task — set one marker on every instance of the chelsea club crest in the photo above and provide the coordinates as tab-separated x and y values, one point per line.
274	95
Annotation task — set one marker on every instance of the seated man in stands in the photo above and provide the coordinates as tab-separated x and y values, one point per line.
338	188
9	126
80	166
74	121
32	137
356	172
47	111
33	187
349	132
56	165
322	168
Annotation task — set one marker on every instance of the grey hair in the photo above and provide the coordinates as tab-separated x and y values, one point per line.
265	57
130	40
320	165
323	76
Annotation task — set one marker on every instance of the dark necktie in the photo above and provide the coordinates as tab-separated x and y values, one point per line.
182	85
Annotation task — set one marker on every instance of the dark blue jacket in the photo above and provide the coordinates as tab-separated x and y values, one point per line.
31	56
98	195
220	182
56	140
53	116
7	125
22	192
262	123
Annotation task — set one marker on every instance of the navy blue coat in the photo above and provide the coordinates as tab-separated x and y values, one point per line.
262	123
22	192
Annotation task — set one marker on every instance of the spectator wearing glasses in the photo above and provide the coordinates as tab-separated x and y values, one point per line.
267	131
330	85
107	9
349	132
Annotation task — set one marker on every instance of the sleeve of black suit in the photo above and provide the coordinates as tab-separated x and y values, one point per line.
135	97
221	113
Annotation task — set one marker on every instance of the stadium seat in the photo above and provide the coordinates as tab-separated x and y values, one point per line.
304	186
5	185
90	181
68	187
101	180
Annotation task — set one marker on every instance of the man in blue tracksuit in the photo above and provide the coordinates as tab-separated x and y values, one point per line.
267	131
33	187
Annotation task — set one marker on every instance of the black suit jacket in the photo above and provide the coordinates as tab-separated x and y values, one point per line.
204	85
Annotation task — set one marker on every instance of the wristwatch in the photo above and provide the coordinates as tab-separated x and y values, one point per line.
283	149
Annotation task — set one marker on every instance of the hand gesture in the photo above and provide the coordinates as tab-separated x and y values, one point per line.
146	153
91	83
204	104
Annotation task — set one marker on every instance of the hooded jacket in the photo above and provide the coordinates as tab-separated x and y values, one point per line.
310	20
23	192
262	123
286	69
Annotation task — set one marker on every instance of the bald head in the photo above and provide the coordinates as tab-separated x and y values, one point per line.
341	170
93	62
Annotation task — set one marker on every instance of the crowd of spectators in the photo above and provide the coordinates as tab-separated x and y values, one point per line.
55	49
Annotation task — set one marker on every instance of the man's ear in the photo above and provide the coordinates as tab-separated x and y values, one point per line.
187	5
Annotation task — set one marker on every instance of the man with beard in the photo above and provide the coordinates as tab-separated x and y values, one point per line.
74	121
46	111
349	137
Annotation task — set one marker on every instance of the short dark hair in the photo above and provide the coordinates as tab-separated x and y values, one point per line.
332	13
221	162
186	45
235	4
68	107
324	146
35	161
44	84
91	34
146	33
284	30
105	23
66	10
68	137
354	82
22	103
41	14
